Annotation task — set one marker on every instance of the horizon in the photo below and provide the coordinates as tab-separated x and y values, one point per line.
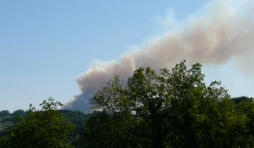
47	47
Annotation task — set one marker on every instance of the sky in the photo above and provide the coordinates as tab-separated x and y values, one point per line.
47	47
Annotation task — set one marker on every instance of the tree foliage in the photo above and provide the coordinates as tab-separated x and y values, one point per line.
44	128
4	113
19	112
157	109
173	109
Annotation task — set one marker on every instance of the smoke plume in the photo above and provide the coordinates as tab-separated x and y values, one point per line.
222	32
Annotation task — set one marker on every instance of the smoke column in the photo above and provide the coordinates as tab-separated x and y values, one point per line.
224	31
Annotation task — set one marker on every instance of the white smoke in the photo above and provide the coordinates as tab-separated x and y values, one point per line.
225	30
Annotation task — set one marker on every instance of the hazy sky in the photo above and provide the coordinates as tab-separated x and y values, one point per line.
46	45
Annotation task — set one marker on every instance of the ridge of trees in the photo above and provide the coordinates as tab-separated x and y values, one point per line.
154	109
169	109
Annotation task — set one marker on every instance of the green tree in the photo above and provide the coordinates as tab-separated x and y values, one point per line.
245	107
165	109
44	128
4	112
118	130
19	112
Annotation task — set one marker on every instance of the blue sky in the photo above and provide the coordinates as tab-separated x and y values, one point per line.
46	45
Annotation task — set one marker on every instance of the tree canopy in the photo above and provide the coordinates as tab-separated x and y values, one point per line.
4	112
170	108
43	128
19	112
153	109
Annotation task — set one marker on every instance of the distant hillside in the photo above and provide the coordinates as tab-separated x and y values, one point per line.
76	117
240	99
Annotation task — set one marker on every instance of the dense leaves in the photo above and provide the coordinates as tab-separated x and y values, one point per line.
39	128
4	112
173	109
153	109
19	112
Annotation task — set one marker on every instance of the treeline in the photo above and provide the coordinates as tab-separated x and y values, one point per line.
6	116
74	116
8	120
165	109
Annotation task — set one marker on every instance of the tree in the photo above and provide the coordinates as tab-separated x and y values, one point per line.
171	109
19	112
245	108
4	112
119	130
39	128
